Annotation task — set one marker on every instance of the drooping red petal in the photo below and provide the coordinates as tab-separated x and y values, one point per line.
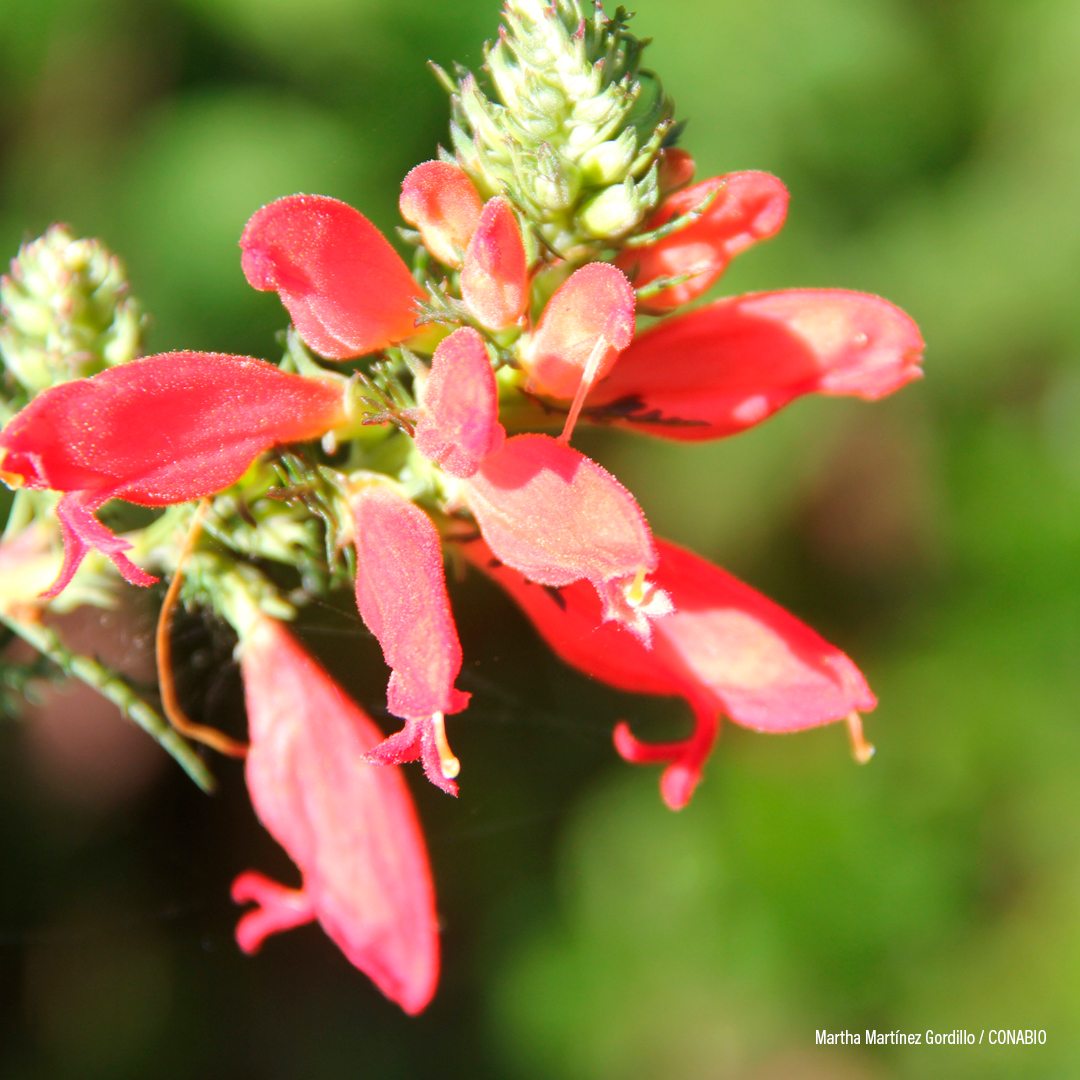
401	594
459	423
82	534
158	431
585	325
440	200
746	207
725	648
494	277
558	517
729	365
348	825
346	288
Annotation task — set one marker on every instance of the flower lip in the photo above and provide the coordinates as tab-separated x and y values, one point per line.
346	288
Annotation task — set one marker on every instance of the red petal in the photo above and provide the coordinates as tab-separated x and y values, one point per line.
401	594
280	908
347	290
676	169
726	648
593	309
459	425
737	361
748	207
494	278
440	200
349	826
156	431
556	516
82	534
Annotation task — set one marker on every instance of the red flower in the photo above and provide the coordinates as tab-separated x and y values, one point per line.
157	431
494	277
738	360
347	290
349	826
745	207
401	594
581	331
558	517
459	406
440	200
725	649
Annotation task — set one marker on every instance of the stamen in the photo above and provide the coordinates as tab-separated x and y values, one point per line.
636	593
861	750
592	365
449	764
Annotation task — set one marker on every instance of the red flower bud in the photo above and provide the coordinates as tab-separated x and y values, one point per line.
676	169
558	517
732	363
348	825
746	207
440	200
346	288
401	594
494	278
459	423
725	649
156	431
585	325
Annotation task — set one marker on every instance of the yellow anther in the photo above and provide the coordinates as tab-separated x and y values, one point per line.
449	764
861	750
636	593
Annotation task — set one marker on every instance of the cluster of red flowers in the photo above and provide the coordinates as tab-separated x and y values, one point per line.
561	535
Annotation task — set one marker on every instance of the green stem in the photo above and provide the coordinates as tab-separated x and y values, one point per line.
111	686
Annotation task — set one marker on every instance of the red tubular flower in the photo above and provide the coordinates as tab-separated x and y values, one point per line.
746	207
459	423
494	277
732	363
157	431
347	290
348	825
725	649
585	325
440	200
401	594
557	517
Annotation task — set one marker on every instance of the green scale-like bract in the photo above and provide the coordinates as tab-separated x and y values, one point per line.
571	127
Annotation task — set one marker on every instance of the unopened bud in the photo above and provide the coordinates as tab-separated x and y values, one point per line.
66	312
609	162
615	211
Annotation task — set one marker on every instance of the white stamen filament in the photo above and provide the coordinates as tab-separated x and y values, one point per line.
861	750
449	765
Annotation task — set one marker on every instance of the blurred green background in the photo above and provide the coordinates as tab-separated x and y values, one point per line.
932	149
